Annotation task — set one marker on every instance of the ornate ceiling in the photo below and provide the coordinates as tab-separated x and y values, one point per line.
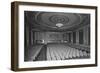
52	21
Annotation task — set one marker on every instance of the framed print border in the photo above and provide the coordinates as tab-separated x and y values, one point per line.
15	33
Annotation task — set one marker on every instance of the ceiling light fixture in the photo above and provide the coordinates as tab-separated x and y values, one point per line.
59	24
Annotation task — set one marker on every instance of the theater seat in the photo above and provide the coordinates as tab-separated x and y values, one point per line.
64	52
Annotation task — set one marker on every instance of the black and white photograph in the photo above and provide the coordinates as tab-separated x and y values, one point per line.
56	36
53	36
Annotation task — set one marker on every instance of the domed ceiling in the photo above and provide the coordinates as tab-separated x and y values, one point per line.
56	21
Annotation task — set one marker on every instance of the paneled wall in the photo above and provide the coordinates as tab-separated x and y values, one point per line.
80	36
48	37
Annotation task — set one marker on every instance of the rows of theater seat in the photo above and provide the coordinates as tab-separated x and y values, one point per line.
63	52
33	52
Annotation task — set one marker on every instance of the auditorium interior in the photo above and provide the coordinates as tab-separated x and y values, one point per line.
50	36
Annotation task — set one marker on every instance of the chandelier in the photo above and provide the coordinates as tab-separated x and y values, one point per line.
59	24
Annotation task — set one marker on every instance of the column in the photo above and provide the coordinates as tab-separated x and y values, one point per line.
85	32
77	37
31	37
35	35
27	37
67	37
72	37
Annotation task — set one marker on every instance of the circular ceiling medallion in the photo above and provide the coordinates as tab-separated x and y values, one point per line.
59	19
50	19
